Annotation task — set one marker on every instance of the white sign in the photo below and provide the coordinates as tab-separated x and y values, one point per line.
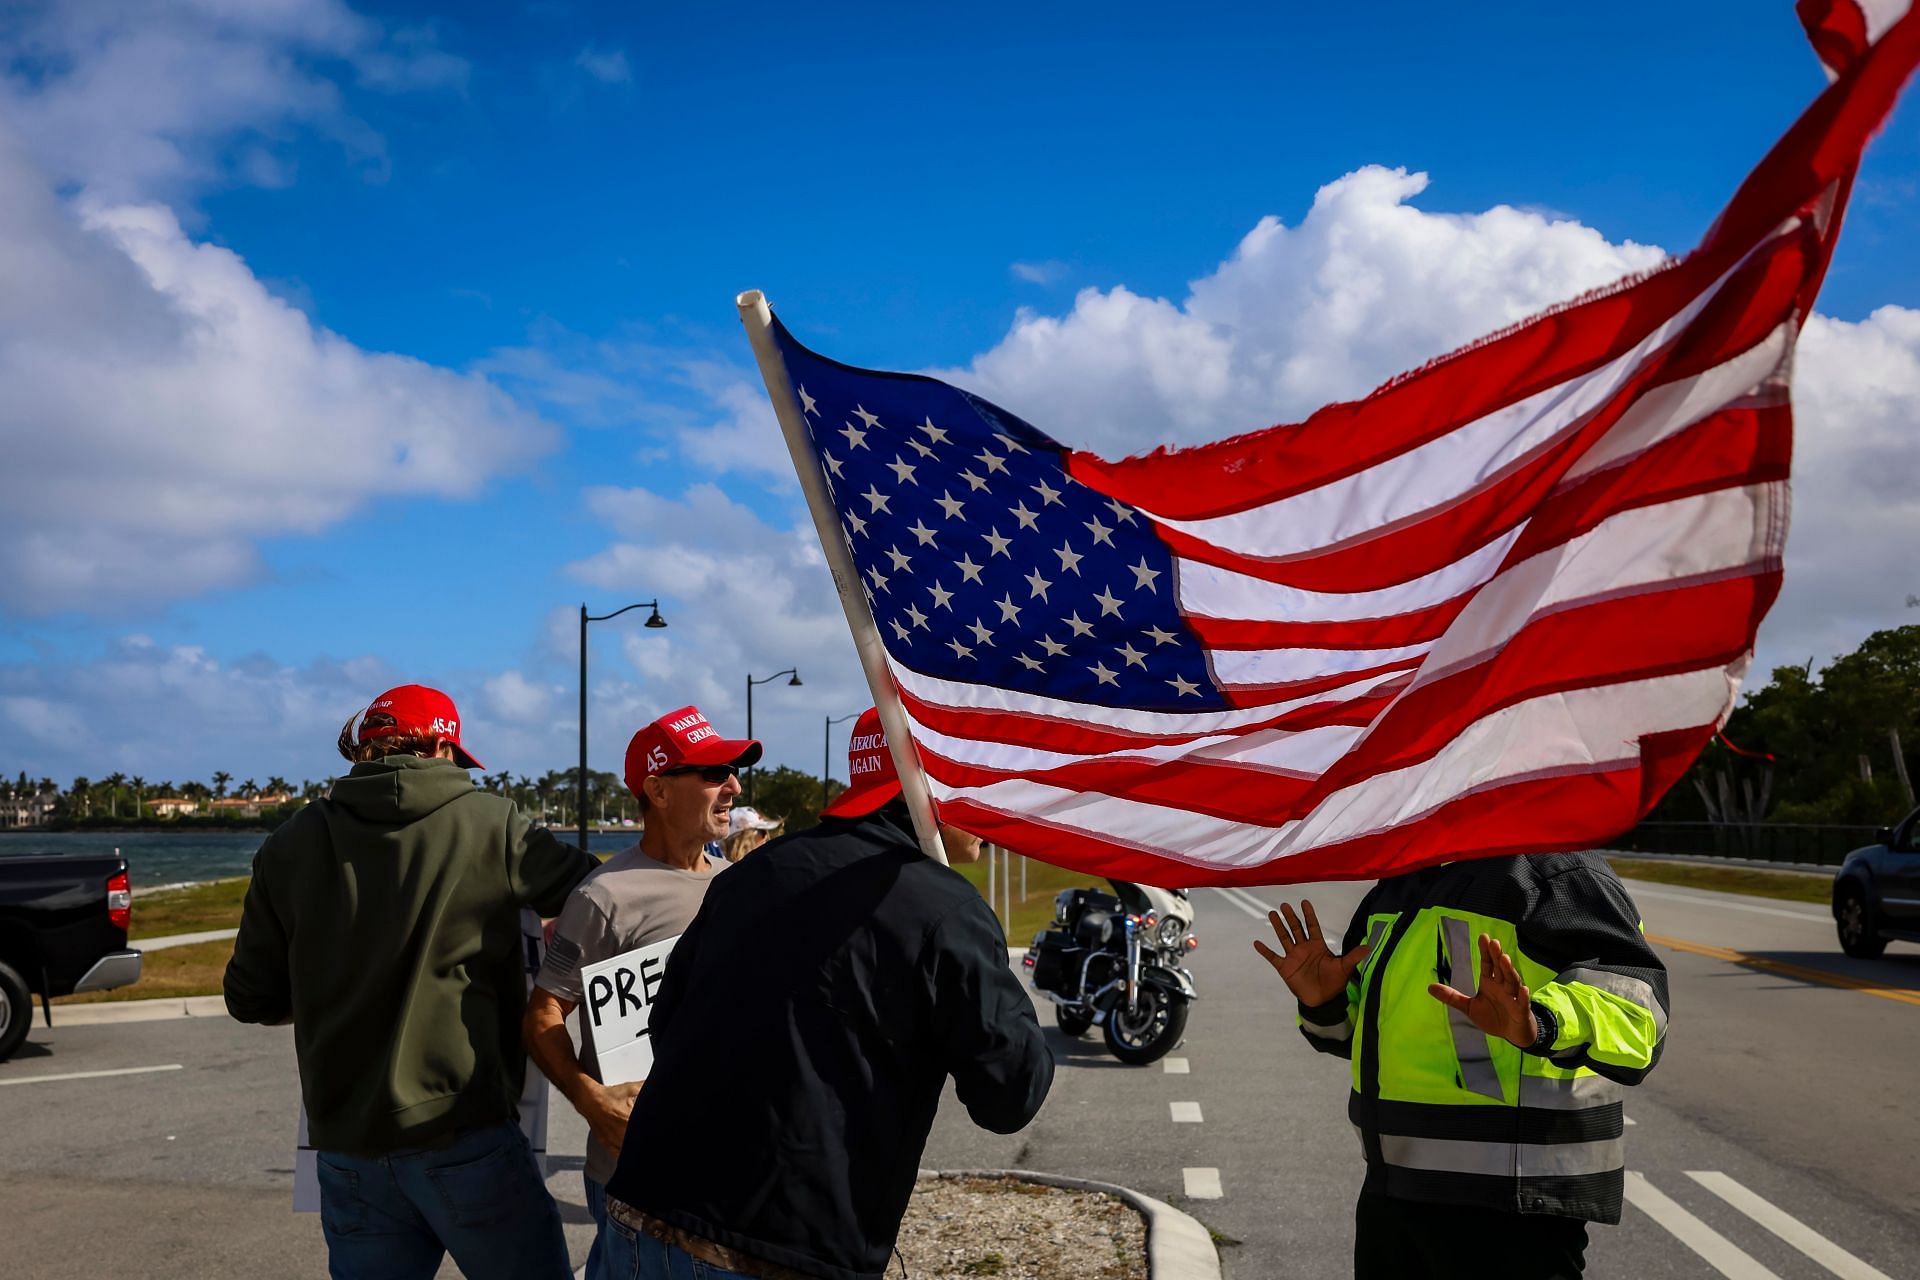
533	1095
616	1006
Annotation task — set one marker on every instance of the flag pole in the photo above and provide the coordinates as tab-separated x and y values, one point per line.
758	319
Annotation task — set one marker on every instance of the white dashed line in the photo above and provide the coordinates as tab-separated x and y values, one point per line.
93	1075
1185	1112
1175	1066
1788	1228
1722	1254
1202	1184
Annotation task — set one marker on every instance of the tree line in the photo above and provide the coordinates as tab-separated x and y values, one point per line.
1836	747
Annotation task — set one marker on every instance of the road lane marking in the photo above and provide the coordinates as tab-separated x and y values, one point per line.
1202	1184
1175	1066
1185	1112
1789	1228
1826	978
94	1075
1629	1120
1703	898
1245	901
1722	1254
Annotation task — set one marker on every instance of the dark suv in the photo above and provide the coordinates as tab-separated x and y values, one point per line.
1876	895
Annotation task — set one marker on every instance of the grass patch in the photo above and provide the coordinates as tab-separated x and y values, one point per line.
214	905
1035	911
176	972
1783	885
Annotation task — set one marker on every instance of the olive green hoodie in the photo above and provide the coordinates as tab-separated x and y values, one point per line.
385	921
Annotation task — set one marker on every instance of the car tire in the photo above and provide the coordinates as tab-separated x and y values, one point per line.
16	1010
1853	920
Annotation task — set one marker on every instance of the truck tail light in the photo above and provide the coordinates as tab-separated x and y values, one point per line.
119	900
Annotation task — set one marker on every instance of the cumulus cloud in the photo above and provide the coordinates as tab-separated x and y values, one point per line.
130	100
1369	285
164	410
147	708
1366	286
755	597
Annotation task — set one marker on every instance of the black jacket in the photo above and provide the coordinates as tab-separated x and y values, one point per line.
806	1025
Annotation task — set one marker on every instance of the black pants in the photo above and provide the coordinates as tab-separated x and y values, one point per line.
1413	1240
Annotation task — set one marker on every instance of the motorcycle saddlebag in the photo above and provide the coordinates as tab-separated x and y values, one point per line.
1056	961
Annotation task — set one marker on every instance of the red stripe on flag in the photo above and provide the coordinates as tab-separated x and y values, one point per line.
1571	810
1685	627
1080	737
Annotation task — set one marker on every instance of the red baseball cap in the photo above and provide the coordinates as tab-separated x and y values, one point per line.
872	779
418	712
679	738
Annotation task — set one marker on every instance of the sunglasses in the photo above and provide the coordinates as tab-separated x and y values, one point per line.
712	773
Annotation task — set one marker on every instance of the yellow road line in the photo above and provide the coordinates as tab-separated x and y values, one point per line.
1822	976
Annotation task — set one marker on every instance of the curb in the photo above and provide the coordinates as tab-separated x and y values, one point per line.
154	1010
1178	1247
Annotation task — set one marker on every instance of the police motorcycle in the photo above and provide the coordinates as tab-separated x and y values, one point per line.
1114	961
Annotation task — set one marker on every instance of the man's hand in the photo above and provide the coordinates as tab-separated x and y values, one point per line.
606	1109
1503	1006
1306	963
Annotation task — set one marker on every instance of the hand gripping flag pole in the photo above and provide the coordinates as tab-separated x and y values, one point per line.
758	319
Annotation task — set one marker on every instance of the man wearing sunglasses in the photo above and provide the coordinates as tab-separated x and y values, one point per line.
685	776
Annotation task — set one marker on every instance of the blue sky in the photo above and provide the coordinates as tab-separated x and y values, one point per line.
548	210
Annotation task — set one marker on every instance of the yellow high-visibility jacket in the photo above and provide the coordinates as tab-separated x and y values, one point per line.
1447	1113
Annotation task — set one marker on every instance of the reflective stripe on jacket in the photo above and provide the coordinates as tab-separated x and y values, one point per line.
1447	1113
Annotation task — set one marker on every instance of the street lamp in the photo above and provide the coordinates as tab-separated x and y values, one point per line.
655	621
826	752
752	681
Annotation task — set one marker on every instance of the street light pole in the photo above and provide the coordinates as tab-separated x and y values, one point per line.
826	753
655	621
752	681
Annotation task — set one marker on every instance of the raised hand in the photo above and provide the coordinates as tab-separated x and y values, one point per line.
1503	1006
1306	963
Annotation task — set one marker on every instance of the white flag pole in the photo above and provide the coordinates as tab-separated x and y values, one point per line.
758	319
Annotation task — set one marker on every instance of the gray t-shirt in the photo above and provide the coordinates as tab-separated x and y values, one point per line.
631	901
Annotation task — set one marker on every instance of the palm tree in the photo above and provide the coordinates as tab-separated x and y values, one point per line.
113	784
277	786
220	781
249	789
139	785
81	793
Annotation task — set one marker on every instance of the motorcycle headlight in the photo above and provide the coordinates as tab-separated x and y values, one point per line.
1171	932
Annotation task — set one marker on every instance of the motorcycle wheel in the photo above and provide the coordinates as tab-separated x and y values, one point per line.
1072	1022
1143	1037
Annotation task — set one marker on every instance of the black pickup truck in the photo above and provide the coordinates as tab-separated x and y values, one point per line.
63	929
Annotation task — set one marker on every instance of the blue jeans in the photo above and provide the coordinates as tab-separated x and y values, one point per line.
597	1208
479	1197
626	1254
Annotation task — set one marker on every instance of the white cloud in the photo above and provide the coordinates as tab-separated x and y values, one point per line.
608	66
749	597
1368	286
1046	272
164	410
1364	288
131	100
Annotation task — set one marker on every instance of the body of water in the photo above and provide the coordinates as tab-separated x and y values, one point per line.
157	858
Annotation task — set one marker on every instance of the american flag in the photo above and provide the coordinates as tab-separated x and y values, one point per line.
1497	606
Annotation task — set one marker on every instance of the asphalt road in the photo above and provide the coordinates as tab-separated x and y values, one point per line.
1805	1095
1792	1096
